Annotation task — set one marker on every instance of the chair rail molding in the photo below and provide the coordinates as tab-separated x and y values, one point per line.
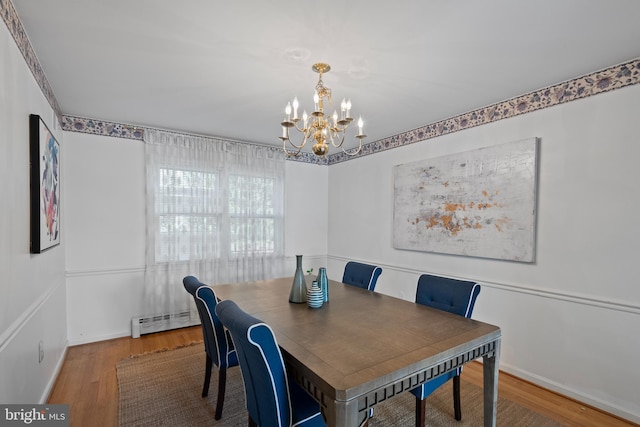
572	297
23	319
104	271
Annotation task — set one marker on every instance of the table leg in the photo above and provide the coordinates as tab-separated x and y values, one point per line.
346	414
490	378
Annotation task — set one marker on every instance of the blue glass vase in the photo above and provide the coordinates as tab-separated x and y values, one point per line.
323	282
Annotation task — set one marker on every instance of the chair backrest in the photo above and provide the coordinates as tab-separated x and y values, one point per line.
361	275
452	295
263	370
216	342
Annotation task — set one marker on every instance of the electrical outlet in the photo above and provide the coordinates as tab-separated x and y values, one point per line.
40	351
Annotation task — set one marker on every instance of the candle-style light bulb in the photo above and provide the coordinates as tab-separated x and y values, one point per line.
348	105
305	117
360	125
335	118
295	108
287	111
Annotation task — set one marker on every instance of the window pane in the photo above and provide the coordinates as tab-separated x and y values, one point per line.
251	211
252	235
181	238
251	196
185	191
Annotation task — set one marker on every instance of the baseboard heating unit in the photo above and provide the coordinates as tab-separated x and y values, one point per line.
162	322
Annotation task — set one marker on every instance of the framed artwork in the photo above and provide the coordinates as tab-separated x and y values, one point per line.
45	186
479	203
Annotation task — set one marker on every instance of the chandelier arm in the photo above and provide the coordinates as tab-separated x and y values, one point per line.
299	129
355	151
343	133
287	152
304	141
337	128
330	134
297	147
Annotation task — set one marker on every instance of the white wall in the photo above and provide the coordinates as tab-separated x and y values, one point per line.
32	288
105	235
571	320
105	224
306	214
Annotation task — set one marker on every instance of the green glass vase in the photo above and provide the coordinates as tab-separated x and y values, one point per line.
298	292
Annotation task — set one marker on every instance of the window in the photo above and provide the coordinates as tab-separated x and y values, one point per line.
209	214
215	210
251	214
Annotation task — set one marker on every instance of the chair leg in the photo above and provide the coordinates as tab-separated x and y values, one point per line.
222	381
421	410
456	397
365	423
207	376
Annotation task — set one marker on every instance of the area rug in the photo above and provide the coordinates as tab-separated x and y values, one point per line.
164	389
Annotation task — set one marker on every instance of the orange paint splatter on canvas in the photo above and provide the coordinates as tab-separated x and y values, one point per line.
452	207
449	225
500	223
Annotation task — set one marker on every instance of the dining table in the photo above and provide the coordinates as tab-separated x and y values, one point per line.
362	348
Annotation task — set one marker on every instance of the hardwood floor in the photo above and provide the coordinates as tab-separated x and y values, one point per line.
567	411
87	382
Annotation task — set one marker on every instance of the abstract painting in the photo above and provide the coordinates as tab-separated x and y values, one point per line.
479	203
45	186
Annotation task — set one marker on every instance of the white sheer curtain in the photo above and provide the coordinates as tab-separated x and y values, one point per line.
215	210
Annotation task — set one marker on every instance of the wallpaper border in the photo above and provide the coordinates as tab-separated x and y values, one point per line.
12	21
606	80
614	77
611	78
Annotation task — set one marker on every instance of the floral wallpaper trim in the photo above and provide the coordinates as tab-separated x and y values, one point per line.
100	127
12	21
117	130
611	78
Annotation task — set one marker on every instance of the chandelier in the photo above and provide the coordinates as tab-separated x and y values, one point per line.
318	127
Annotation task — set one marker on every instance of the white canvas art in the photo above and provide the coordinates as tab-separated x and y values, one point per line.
479	203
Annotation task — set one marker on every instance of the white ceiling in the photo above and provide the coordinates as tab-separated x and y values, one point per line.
227	69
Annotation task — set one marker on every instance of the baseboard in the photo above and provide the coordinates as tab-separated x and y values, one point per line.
97	338
570	393
46	393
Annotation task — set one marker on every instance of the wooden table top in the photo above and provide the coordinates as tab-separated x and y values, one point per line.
360	340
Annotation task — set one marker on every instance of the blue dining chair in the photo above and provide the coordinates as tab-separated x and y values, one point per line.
361	275
272	398
454	296
218	345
